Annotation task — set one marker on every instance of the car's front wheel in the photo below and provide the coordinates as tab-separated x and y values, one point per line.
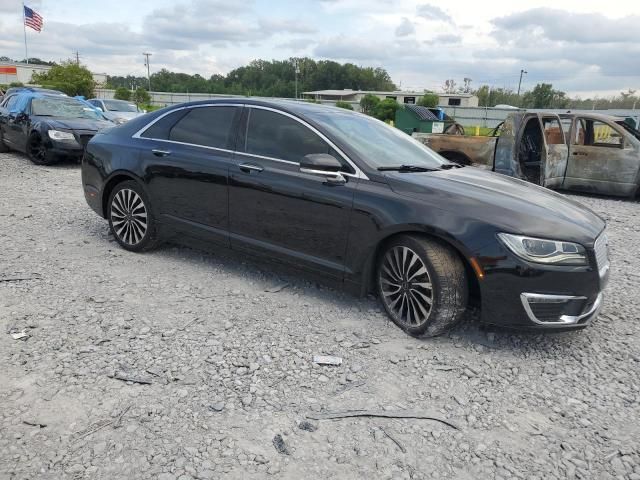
130	217
38	152
422	285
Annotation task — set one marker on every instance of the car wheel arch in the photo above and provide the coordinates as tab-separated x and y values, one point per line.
114	180
370	269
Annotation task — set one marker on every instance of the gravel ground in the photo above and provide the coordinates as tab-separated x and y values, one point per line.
224	354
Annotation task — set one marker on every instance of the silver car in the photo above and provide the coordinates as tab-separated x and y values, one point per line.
118	111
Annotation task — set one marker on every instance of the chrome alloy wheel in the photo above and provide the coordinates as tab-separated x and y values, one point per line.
406	286
129	216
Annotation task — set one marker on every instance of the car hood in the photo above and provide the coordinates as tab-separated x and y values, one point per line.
126	115
511	205
77	123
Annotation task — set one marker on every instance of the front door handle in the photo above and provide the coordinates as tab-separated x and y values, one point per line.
249	167
582	154
160	153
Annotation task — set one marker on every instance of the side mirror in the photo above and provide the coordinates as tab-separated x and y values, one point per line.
323	165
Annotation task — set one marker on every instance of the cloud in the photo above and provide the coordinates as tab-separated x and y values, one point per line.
434	13
561	25
405	28
15	6
445	39
296	44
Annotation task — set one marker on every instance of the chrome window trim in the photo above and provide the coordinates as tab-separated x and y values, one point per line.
138	135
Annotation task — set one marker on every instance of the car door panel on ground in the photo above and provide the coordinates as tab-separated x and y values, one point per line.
600	160
275	208
189	183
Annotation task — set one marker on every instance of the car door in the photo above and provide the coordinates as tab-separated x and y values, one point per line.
555	151
185	158
11	123
601	159
18	126
504	159
279	211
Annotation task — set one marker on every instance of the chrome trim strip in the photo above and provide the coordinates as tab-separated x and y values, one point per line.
564	319
359	173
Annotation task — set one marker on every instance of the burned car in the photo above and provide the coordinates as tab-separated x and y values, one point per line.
584	152
48	127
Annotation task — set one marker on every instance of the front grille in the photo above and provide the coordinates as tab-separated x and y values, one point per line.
601	248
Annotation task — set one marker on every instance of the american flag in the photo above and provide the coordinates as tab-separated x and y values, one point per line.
32	19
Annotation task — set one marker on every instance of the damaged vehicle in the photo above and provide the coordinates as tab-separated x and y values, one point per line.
48	127
585	152
350	199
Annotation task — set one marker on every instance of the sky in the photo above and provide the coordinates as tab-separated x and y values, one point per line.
585	48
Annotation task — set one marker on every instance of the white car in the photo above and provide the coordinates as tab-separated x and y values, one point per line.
118	111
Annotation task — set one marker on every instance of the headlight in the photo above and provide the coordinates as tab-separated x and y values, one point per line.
549	252
58	135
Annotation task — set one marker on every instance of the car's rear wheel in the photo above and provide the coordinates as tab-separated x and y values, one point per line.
130	217
37	151
422	285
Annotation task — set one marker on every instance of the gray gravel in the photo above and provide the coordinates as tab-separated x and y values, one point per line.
220	364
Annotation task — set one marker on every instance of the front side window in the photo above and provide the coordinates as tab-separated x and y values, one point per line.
553	132
10	102
596	134
271	134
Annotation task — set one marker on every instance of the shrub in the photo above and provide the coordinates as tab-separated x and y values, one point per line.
122	93
369	103
141	96
429	100
386	110
343	104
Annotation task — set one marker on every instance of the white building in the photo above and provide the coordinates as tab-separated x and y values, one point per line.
348	95
23	72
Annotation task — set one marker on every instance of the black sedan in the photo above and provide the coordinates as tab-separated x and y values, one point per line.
47	127
343	195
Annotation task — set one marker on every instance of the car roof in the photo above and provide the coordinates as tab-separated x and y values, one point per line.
297	107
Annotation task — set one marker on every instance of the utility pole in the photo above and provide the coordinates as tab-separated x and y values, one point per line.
77	57
297	70
522	72
146	62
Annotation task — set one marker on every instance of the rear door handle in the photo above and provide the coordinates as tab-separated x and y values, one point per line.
249	167
160	153
582	154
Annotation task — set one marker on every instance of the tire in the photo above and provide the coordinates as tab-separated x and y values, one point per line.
422	285
3	147
131	218
38	152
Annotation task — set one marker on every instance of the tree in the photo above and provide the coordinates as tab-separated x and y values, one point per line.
544	96
386	110
429	100
369	103
141	96
345	105
122	93
70	78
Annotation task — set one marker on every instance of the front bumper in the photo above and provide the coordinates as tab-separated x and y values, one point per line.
522	295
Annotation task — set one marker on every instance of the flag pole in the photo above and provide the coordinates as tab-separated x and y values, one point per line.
24	25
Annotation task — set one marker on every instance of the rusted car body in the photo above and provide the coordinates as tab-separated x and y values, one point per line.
583	152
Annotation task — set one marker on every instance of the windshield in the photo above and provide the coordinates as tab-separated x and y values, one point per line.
120	106
379	144
629	128
63	107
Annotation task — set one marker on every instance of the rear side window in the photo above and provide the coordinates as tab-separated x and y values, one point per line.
161	129
206	126
271	134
